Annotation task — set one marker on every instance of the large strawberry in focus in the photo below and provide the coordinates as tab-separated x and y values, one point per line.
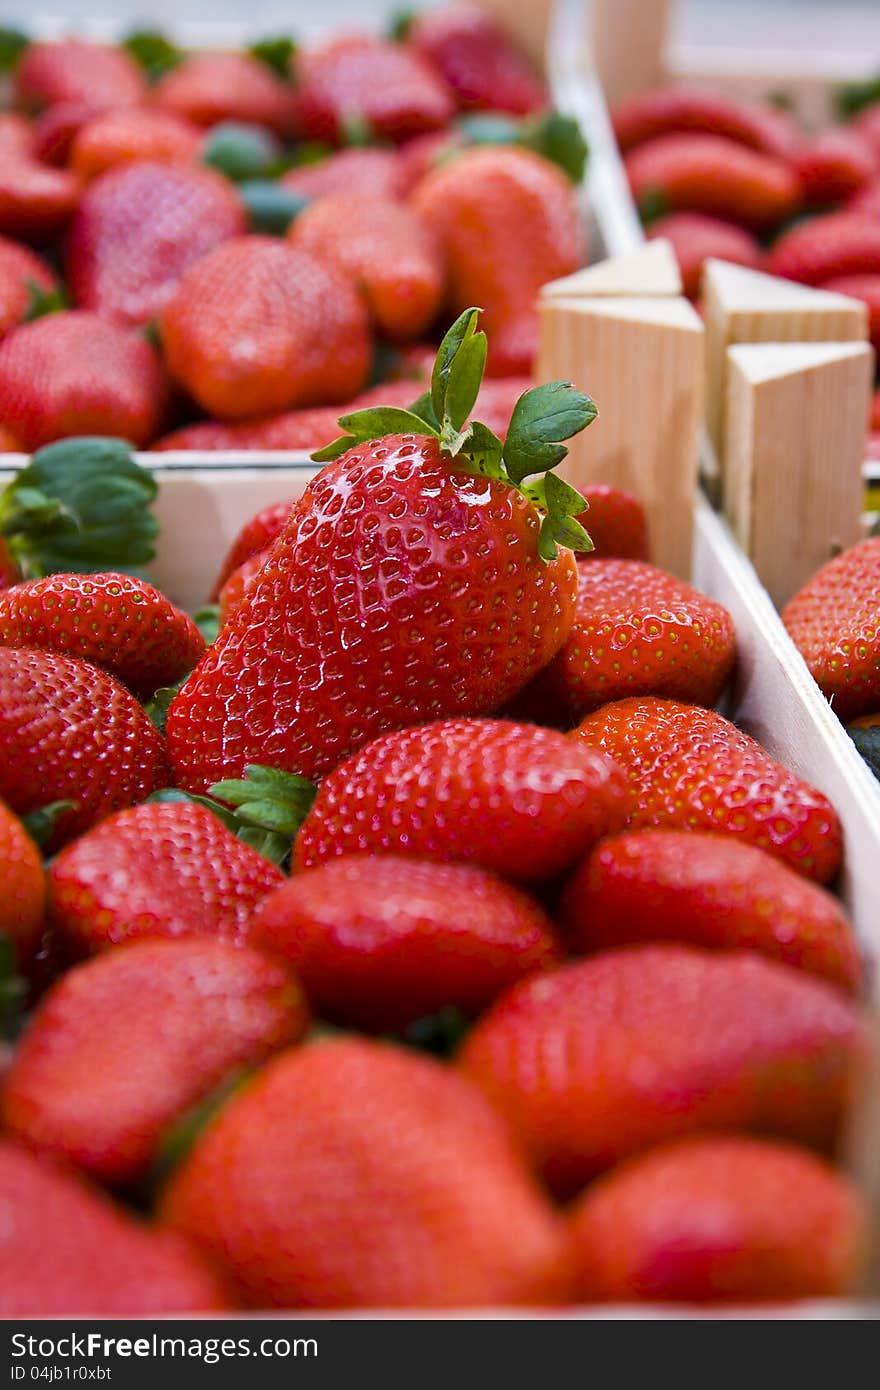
418	578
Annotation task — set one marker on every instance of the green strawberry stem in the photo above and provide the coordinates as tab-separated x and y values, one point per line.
42	302
541	420
264	809
13	43
81	506
178	1140
40	824
276	52
153	52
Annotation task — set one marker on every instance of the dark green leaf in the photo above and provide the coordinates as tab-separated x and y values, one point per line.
653	204
177	1141
866	738
334	450
377	421
13	991
13	43
855	96
157	707
484	450
272	846
269	205
464	327
168	795
559	139
400	24
40	824
153	52
240	151
42	302
424	409
563	504
276	52
356	130
541	420
207	620
439	1033
464	379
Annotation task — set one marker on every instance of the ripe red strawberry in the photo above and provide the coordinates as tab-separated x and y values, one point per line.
122	136
691	769
510	797
8	573
256	535
413	638
207	88
157	870
839	243
302	323
36	201
637	631
23	899
695	238
123	1045
354	1175
867	200
57	128
365	82
706	890
16	135
379	941
717	1220
238	583
867	289
373	172
875	410
70	70
471	204
708	173
690	110
69	732
612	1055
23	275
66	1250
616	522
112	620
138	229
386	249
417	157
477	59
833	622
834	165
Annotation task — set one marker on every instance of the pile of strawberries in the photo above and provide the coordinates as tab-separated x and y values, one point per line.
217	250
538	997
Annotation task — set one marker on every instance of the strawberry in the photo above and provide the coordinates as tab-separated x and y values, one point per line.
713	1220
838	243
833	623
74	373
9	571
711	174
70	70
238	583
57	128
691	769
138	229
8	445
25	280
867	289
112	620
875	410
690	110
477	60
256	535
206	88
66	1250
16	135
356	84
695	238
302	322
24	891
612	1055
637	631
36	202
96	1084
834	165
69	732
381	941
471	204
386	249
158	870
382	659
373	172
706	890
867	200
510	797
133	133
867	123
350	1174
617	524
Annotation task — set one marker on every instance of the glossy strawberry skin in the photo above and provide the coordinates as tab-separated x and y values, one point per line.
612	1055
713	1220
354	1175
207	88
69	732
160	870
372	172
36	202
838	243
616	522
709	174
70	70
388	87
75	373
66	1250
304	324
20	271
867	289
125	1044
510	797
834	623
834	165
711	891
24	889
256	535
114	621
691	769
123	136
386	249
238	583
138	229
637	631
322	664
687	110
695	237
478	60
379	941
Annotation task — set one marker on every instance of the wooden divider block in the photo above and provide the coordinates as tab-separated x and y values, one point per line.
794	448
648	270
527	21
629	39
641	359
746	306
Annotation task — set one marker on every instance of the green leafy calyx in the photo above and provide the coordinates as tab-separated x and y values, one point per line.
153	52
276	52
264	809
